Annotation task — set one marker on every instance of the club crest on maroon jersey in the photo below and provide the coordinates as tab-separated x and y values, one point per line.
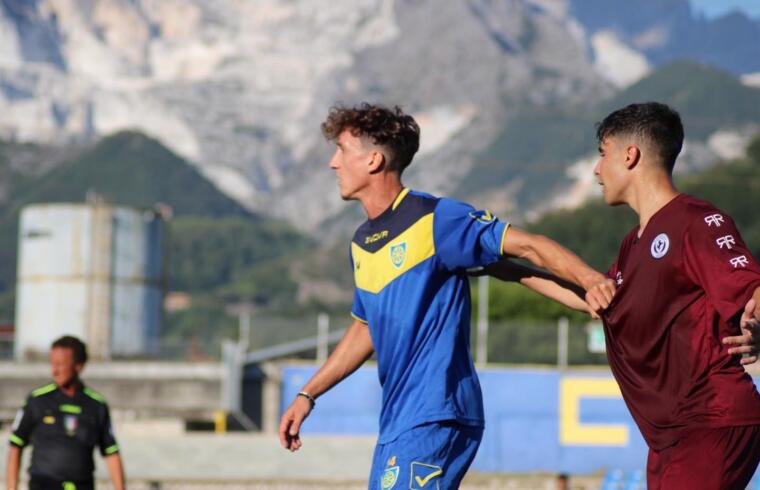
660	246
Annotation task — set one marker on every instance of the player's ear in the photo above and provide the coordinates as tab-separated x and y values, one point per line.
632	156
377	164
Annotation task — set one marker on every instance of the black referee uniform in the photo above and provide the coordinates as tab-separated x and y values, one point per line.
64	431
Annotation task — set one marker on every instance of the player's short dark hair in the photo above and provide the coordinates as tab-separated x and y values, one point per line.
653	122
77	347
392	129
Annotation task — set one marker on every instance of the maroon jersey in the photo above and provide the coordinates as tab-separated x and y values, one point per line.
681	288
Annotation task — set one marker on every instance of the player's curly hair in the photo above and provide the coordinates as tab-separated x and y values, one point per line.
653	122
398	133
77	347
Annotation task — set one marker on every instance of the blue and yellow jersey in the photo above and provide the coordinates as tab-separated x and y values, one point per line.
412	290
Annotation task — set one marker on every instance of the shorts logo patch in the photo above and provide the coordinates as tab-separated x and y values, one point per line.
398	254
425	476
389	478
660	246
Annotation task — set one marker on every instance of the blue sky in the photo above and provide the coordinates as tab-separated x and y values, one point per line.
714	8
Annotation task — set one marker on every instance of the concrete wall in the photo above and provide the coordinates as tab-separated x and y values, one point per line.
143	389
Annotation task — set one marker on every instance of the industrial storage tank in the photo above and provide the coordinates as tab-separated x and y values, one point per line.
93	270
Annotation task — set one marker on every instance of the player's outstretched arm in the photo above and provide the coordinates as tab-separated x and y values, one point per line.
116	471
747	344
12	467
542	282
353	349
544	252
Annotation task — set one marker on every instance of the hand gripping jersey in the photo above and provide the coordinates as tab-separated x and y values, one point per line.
681	286
412	290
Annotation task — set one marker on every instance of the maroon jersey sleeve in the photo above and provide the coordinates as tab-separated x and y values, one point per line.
717	259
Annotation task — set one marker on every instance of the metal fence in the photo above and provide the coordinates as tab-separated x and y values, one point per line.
508	342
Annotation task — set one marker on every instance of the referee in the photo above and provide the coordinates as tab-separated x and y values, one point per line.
64	421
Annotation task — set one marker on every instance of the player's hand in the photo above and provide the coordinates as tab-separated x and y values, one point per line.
290	423
749	341
599	295
590	310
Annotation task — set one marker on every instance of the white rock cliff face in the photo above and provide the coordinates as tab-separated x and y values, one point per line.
239	88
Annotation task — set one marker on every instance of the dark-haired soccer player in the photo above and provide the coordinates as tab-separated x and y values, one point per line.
412	303
64	421
683	277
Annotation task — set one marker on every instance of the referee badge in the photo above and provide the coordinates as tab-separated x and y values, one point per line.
70	423
398	254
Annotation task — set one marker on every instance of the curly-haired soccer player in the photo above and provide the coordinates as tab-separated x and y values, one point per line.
412	302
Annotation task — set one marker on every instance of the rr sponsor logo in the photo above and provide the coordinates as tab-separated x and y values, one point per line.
727	241
714	219
740	261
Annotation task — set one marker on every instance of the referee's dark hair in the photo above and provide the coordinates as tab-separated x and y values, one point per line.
653	123
77	347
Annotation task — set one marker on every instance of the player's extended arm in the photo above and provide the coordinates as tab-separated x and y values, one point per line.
353	349
546	253
545	284
115	471
12	467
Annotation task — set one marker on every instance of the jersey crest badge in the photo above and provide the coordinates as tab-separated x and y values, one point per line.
389	478
398	254
660	246
70	423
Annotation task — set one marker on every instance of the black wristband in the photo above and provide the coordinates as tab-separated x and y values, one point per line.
308	397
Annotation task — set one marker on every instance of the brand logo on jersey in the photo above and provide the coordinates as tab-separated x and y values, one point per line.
714	220
727	241
389	478
619	278
660	246
740	261
376	236
398	254
392	461
70	423
482	216
48	419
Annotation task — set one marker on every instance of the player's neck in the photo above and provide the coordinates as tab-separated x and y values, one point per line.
651	195
381	195
70	389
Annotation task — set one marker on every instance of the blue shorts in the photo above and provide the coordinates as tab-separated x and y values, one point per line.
430	456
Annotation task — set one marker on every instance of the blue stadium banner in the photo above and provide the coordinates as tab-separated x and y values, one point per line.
537	420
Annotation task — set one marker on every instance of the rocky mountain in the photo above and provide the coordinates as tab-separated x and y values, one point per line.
239	88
